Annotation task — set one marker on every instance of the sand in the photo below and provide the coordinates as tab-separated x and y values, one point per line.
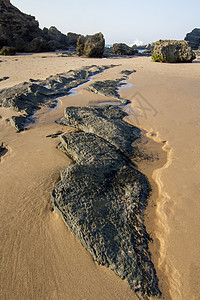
41	259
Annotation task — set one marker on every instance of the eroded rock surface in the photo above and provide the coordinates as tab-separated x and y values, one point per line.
172	51
27	97
123	49
109	88
21	31
102	196
105	121
91	45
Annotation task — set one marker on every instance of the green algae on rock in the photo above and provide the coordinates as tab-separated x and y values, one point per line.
172	51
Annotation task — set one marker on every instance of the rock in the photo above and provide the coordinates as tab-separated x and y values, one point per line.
4	78
193	38
3	150
72	38
91	45
102	196
108	88
7	51
123	49
38	44
18	122
55	38
106	122
16	28
127	72
27	97
172	51
22	32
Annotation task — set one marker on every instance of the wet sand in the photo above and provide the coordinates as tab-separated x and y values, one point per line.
40	257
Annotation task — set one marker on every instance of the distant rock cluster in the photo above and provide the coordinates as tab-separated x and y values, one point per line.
22	32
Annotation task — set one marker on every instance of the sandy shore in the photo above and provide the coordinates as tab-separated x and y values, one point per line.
40	257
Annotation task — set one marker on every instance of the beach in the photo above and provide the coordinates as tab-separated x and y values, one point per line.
40	256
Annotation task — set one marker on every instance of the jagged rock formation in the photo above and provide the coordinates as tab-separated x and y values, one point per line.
172	51
106	122
108	88
123	49
22	32
29	96
102	196
193	38
91	45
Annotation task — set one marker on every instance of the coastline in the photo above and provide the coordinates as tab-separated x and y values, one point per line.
83	98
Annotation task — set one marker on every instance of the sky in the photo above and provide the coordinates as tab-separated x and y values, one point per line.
124	21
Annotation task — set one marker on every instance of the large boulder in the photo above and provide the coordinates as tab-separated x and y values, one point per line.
123	49
91	45
172	51
193	38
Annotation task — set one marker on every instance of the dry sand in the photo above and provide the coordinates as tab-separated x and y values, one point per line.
41	259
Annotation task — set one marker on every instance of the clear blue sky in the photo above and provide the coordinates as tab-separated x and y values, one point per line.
119	20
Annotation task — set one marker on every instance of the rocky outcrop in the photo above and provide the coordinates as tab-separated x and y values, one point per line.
29	96
108	88
172	51
104	121
102	196
16	28
123	49
91	45
7	51
56	39
193	38
22	32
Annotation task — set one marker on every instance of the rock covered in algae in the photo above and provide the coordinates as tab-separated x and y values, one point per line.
102	196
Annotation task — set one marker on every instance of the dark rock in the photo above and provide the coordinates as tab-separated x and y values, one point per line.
16	28
29	96
123	49
127	72
18	122
106	122
91	45
193	38
108	88
38	44
4	78
172	51
7	51
22	32
3	150
102	197
72	38
56	39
